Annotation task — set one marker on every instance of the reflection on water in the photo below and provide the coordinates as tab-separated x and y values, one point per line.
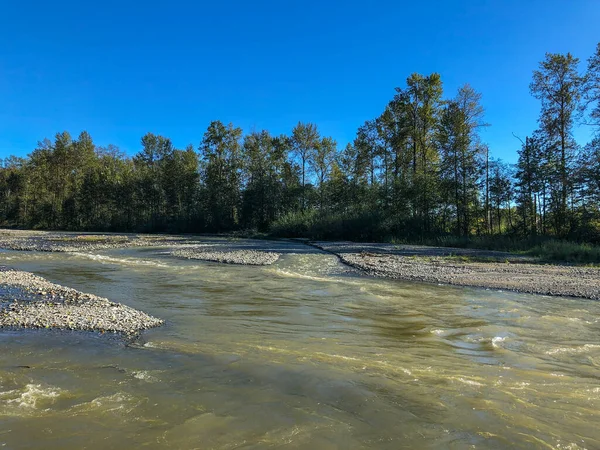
302	354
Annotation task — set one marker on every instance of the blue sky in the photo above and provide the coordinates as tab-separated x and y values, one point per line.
121	69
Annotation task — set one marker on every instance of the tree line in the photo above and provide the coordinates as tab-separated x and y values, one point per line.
419	169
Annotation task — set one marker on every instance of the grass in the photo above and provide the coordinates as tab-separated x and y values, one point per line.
500	243
544	250
567	252
481	259
364	226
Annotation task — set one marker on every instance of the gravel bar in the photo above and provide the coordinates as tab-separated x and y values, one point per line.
45	241
30	301
245	257
393	262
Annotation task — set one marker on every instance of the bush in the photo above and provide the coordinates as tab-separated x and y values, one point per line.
563	251
355	226
294	224
503	243
364	226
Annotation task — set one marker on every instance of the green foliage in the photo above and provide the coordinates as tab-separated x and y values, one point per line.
295	224
418	172
542	248
563	251
558	86
359	226
222	164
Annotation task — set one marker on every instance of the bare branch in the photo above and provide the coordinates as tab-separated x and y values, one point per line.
518	138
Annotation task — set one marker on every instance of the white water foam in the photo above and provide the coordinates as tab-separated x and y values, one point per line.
469	382
573	350
145	376
126	261
496	340
30	396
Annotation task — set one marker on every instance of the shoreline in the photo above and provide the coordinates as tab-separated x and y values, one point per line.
56	241
227	256
437	265
28	301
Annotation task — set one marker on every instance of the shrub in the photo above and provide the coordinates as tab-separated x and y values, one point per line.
563	251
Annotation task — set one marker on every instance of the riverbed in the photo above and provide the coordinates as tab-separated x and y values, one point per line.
305	353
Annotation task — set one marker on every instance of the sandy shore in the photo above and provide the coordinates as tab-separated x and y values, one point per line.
440	265
29	301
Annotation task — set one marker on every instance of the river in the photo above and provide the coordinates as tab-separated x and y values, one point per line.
303	354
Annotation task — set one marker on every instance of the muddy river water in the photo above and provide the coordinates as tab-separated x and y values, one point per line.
303	354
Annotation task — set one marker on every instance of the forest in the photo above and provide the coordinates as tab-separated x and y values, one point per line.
418	172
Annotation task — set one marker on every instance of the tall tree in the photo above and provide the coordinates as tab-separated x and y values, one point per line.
557	84
151	163
420	104
222	162
501	194
305	139
180	180
395	130
260	186
367	147
321	160
528	183
461	164
591	89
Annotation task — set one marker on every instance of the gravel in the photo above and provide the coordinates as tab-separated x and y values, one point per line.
43	241
246	257
406	262
423	265
30	301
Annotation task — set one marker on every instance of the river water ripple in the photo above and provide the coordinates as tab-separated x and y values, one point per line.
304	354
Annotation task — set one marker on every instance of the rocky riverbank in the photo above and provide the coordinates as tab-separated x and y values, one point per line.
460	267
44	241
230	251
441	265
246	257
30	301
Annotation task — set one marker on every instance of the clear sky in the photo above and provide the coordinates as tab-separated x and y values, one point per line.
121	69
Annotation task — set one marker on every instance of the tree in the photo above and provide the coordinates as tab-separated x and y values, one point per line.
591	89
501	192
321	160
350	185
80	158
419	104
13	184
151	165
180	181
261	185
220	151
305	139
557	85
366	145
528	183
418	169
394	128
461	165
59	165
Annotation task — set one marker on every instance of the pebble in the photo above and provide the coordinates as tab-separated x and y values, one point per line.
554	280
30	301
43	241
245	257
